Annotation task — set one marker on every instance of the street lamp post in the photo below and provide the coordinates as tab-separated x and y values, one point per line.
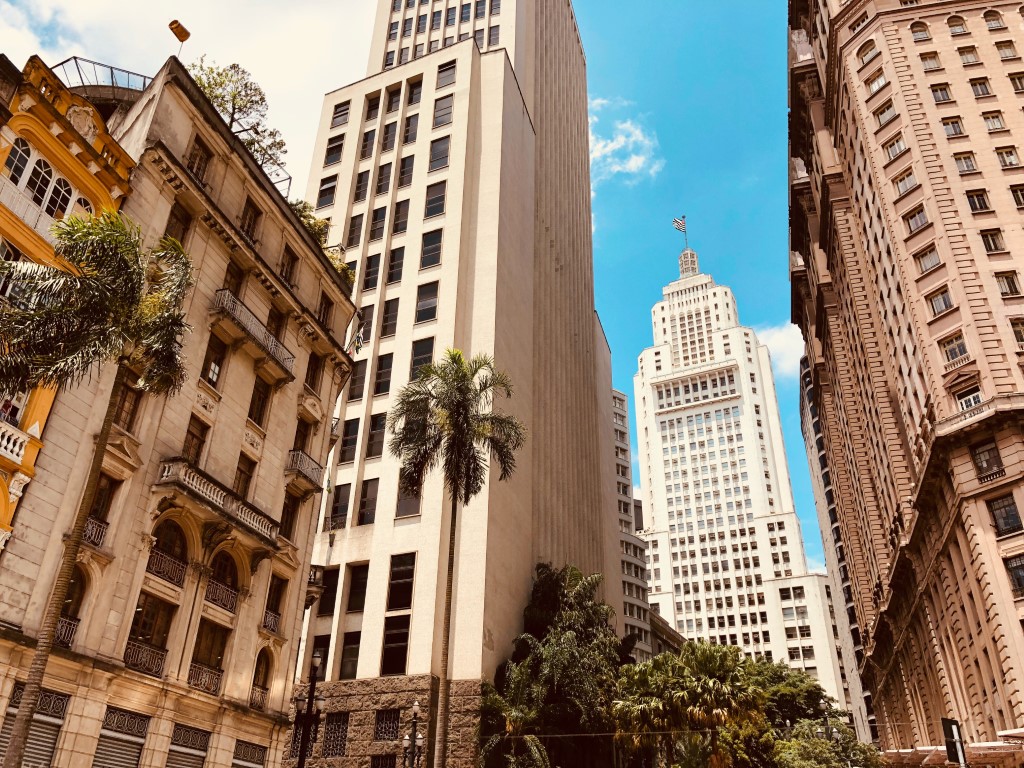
412	752
313	704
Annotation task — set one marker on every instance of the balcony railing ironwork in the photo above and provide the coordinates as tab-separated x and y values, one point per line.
25	208
304	464
222	595
204	678
145	658
95	531
227	302
271	620
165	567
258	698
179	472
66	629
992	474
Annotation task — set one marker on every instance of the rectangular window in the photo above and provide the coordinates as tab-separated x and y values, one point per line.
443	108
366	148
383	179
408	504
106	487
244	473
886	114
940	301
289	268
396	645
339	506
916	219
382	380
435	19
372	271
928	260
401	222
481	9
325	606
994	121
357	382
349	440
349	659
1017	81
372	107
362	186
403	56
449	20
405	169
422	354
431	253
386	727
389	323
953	126
393	30
400	583
1006	50
394	97
980	87
954	347
978	200
1017	324
968	398
992	239
1004	515
466	12
1017	190
439	149
368	502
375	439
421	23
1015	570
435	200
415	93
965	162
941	93
411	127
905	182
493	36
377	225
199	160
968	55
339	116
366	327
389	136
259	401
1008	283
213	362
446	74
355	231
930	62
877	83
1008	157
358	578
335	740
195	441
986	457
426	302
479	37
395	261
896	147
495	7
178	223
251	216
389	59
328	189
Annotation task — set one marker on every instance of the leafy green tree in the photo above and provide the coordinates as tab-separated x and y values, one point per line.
445	417
316	226
805	747
116	303
790	695
649	709
243	105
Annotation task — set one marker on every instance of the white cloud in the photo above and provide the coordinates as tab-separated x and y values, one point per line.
786	344
816	565
629	152
297	55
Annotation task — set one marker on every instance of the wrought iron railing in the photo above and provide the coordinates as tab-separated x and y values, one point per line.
1018	593
12	440
258	698
271	620
204	678
66	629
222	595
227	301
25	208
95	531
992	474
145	658
165	567
76	72
305	465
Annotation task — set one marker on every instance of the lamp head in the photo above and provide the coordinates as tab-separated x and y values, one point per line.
300	701
406	741
416	709
820	733
319	702
318	657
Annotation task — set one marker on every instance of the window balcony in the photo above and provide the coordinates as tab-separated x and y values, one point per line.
204	678
306	474
222	595
22	206
217	497
95	531
992	474
165	567
258	698
66	629
241	325
13	441
145	658
271	621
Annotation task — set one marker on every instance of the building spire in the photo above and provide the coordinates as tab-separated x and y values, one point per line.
688	258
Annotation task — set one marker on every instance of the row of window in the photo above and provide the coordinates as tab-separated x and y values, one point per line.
957	25
402	56
44	186
434	206
478	8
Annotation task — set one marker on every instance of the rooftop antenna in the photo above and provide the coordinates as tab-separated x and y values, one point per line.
179	31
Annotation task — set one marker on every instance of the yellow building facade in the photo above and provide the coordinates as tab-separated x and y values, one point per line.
56	159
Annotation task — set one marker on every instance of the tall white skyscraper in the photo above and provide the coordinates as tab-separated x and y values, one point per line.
726	556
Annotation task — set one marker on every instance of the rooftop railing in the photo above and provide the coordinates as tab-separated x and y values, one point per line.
77	72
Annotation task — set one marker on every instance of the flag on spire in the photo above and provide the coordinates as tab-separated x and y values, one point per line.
680	224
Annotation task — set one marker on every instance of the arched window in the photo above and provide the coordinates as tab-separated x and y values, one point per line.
867	52
17	160
171	541
260	681
39	181
224	570
920	31
994	20
59	200
82	207
957	25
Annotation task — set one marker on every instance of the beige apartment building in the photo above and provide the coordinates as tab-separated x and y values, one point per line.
179	638
907	249
456	176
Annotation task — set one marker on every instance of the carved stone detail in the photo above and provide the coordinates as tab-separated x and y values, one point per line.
253	440
206	404
16	486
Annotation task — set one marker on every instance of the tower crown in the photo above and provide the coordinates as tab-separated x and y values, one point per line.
688	264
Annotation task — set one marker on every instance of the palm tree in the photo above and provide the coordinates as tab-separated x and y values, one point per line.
649	710
445	417
515	718
114	302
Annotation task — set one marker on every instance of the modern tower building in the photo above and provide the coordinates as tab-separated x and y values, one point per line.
726	557
906	254
456	178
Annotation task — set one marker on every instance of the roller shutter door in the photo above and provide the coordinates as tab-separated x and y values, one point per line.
181	758
115	750
42	740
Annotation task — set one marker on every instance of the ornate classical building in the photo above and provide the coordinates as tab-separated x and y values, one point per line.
179	637
905	266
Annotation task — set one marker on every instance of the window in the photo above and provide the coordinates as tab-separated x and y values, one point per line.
905	182
1006	50
395	261
992	239
446	74
127	407
289	270
968	398
426	302
479	37
877	82
401	222
251	216
395	97
450	20
1017	324
366	149
954	347
466	10
358	577
199	160
383	179
357	382
435	200
443	108
213	361
495	7
407	28
1008	157
980	87
435	19
325	605
1004	514
377	227
389	323
886	114
439	153
368	502
105	489
1017	81
940	301
355	230
349	440
259	401
388	138
957	26
336	730
400	583
362	186
928	260
405	168
916	219
382	380
422	354
953	126
328	189
1018	195
986	457
243	476
1008	284
431	253
314	371
366	327
978	200
994	121
389	59
896	147
393	30
17	160
408	504
375	440
396	645
993	20
372	107
195	441
930	62
493	36
349	661
340	114
919	31
965	162
481	9
372	271
412	123
968	55
941	93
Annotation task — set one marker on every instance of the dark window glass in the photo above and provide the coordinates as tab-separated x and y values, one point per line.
325	606
435	199
328	189
1005	515
355	230
372	272
178	223
251	216
106	487
465	12
275	593
383	178
377	226
395	262
289	514
412	123
449	22
339	506
362	186
127	408
244	473
289	267
382	381
446	74
986	457
372	107
443	110
276	323
349	656
415	89
366	328
403	568
358	576
422	353
481	9
335	147
435	20
199	160
431	254
340	114
426	302
314	371
401	222
408	504
396	645
195	440
479	37
303	431
389	323
439	153
395	97
405	169
233	277
325	310
375	440
494	36
323	642
389	136
213	362
368	502
152	621
357	382
259	401
366	148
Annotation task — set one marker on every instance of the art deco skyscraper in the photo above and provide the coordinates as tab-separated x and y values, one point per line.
907	245
727	560
456	178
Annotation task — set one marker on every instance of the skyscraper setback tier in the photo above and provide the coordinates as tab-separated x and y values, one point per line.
906	251
456	178
726	557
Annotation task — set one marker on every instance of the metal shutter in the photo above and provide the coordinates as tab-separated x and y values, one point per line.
180	758
115	751
42	741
